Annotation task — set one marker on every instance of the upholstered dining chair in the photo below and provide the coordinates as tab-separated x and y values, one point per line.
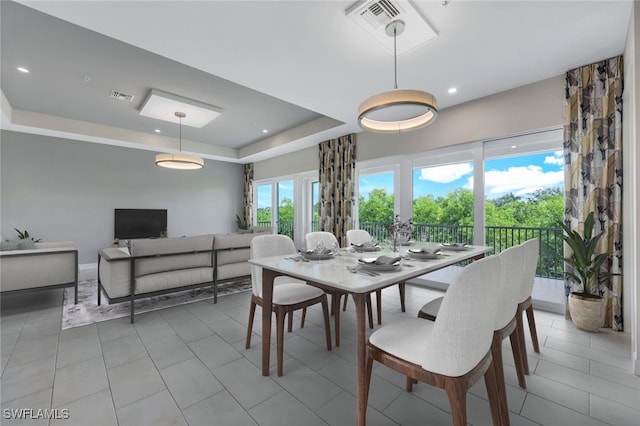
359	236
511	263
531	250
452	352
328	241
289	294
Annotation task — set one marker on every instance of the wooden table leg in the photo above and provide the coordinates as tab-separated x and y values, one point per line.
267	302
359	300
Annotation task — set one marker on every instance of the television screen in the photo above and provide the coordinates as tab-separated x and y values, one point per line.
139	223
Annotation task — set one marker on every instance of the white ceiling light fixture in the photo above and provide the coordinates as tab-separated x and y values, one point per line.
397	110
179	161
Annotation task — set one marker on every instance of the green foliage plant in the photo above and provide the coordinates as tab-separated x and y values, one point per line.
24	235
584	260
242	224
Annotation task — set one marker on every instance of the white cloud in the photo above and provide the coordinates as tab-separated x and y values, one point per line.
521	180
556	159
446	174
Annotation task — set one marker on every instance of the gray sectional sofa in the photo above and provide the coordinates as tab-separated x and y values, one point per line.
150	267
49	265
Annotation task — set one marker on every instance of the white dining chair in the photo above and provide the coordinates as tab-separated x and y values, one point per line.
328	241
289	294
531	250
359	236
452	352
506	324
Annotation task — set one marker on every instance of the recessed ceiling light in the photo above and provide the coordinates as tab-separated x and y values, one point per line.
452	90
265	131
158	131
513	146
23	69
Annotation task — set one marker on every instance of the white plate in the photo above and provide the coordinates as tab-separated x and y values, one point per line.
422	255
382	268
365	249
367	263
454	247
316	256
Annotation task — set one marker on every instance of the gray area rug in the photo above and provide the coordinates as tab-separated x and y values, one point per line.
87	310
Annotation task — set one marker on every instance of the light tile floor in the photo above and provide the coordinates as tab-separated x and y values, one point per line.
188	365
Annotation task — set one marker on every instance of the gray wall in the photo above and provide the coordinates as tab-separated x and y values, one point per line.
67	190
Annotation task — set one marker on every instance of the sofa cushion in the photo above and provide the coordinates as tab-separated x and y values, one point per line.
173	279
234	270
179	254
234	240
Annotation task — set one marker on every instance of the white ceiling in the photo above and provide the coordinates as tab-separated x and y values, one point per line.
298	68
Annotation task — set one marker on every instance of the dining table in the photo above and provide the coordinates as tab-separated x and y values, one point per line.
346	273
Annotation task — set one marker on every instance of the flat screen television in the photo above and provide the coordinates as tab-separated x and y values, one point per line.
139	223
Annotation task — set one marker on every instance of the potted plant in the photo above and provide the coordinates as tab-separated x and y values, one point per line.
586	306
243	226
24	235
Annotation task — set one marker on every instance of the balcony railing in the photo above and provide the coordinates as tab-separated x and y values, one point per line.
550	263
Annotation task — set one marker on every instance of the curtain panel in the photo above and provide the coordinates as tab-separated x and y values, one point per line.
337	174
248	193
593	167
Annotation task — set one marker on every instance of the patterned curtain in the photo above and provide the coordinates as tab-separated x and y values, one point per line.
593	166
248	193
337	172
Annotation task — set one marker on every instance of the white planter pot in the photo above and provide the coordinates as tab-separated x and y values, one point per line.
587	313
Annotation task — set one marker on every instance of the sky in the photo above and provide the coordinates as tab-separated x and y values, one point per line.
519	175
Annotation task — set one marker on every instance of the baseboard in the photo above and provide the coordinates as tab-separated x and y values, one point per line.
88	271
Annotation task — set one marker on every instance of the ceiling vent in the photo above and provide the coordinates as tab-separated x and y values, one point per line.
121	96
374	15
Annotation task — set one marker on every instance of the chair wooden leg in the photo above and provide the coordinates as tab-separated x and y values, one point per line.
344	306
367	376
532	329
290	322
336	314
523	346
369	313
327	327
498	369
408	385
280	314
304	316
252	312
491	384
517	358
401	290
379	305
457	393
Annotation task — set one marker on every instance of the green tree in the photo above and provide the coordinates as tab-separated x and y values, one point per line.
264	214
427	210
378	207
285	210
457	207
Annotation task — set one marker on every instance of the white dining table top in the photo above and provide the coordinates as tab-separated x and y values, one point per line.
334	272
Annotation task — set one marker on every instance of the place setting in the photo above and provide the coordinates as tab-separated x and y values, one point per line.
424	253
455	246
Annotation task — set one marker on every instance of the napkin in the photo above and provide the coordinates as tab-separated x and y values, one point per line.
366	244
382	260
425	250
455	244
324	250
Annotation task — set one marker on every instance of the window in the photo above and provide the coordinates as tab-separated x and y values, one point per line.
285	208
264	217
376	200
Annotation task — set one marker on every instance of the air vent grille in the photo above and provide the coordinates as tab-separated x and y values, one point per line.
374	15
121	96
379	14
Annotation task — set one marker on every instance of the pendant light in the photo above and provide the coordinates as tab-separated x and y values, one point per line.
397	110
179	160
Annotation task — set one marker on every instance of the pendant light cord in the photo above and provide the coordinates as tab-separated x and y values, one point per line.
395	59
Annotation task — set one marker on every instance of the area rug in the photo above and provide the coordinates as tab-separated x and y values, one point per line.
87	310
